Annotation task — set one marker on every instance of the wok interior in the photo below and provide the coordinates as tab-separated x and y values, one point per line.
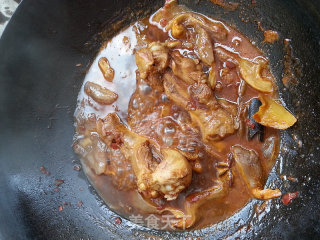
40	81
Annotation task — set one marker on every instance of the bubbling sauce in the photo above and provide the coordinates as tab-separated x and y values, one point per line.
147	111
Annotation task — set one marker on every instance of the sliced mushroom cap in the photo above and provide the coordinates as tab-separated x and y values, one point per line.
250	169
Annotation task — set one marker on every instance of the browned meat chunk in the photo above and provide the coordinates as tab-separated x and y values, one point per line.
212	119
160	53
149	114
214	124
204	46
189	70
256	73
176	90
145	61
159	172
153	58
205	30
102	159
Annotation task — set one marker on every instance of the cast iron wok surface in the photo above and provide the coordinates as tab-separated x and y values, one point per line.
39	83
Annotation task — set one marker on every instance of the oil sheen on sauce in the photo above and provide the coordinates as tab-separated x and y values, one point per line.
120	53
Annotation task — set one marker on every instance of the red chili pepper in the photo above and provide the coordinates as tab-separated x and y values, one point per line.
197	196
288	197
108	133
44	171
163	22
58	182
167	4
250	124
118	220
77	167
230	65
114	146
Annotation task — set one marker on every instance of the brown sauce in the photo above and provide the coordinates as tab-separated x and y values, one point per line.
141	106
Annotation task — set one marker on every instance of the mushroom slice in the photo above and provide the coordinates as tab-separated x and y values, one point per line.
272	114
250	169
100	94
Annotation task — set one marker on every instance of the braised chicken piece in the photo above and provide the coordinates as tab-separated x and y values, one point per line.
159	171
212	119
186	126
153	58
174	132
206	112
187	69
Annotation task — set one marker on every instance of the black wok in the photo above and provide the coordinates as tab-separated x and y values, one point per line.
39	83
